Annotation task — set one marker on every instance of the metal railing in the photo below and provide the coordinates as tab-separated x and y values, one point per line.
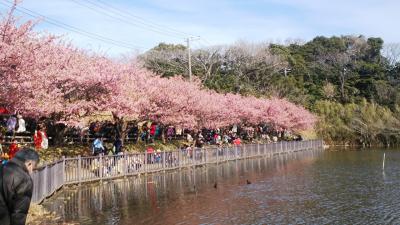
48	179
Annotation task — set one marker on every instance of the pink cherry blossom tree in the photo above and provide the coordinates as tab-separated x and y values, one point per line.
42	76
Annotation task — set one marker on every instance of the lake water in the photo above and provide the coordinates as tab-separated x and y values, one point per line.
314	187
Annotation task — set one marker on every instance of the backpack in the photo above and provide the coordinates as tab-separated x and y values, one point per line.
97	150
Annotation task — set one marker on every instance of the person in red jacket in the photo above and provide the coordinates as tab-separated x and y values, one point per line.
237	141
150	154
13	149
153	130
37	139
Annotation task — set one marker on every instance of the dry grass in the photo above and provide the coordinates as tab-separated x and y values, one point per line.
309	134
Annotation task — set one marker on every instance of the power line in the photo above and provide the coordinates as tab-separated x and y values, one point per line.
201	44
142	20
73	28
197	44
206	41
138	19
106	11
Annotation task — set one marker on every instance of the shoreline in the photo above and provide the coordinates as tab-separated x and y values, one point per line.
38	215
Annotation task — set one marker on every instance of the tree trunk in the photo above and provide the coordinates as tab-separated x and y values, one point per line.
163	130
59	134
121	126
55	130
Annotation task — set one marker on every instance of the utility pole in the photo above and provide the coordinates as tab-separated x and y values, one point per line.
189	55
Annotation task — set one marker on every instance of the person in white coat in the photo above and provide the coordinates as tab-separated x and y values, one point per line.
21	124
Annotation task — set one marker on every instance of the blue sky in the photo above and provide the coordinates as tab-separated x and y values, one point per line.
216	21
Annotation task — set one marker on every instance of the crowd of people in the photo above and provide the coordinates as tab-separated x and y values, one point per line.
148	132
191	148
14	126
14	135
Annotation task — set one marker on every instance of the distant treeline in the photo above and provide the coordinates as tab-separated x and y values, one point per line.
351	82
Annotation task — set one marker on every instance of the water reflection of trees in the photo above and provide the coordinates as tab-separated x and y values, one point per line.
140	195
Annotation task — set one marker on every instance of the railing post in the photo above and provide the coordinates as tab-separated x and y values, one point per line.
79	169
101	166
194	153
63	170
145	161
164	160
45	182
236	152
258	149
125	164
217	155
225	151
265	149
205	156
179	158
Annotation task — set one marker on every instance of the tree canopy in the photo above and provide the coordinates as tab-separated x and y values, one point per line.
343	70
42	76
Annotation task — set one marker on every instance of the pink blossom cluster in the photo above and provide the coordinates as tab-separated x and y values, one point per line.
42	76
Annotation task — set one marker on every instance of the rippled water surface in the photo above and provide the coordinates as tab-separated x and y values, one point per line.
314	187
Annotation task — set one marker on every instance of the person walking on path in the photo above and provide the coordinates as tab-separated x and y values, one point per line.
117	146
98	147
16	187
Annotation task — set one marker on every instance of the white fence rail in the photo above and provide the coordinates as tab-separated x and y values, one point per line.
50	178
